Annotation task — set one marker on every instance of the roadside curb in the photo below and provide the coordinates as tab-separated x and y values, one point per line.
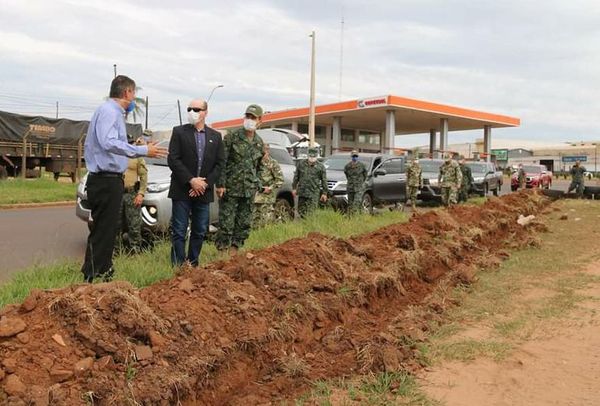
34	205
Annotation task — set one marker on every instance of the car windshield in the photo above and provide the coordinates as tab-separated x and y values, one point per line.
532	169
337	163
272	137
282	156
430	166
478	168
159	161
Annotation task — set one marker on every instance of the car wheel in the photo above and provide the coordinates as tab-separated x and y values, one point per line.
495	191
513	188
283	210
367	203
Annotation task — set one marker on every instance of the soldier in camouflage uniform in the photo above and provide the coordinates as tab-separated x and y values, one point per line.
310	183
521	178
467	182
271	179
577	179
356	175
450	179
239	181
414	181
135	182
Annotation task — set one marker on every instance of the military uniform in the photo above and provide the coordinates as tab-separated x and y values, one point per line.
450	179
135	181
414	181
264	203
521	178
240	178
356	175
465	185
310	183
577	180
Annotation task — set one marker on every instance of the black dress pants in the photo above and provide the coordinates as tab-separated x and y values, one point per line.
104	194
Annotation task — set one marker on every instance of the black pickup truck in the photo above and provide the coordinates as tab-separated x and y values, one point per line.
386	181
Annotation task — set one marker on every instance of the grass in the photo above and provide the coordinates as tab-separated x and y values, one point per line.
150	267
386	388
39	190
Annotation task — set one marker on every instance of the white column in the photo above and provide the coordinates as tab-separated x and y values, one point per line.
390	132
487	141
432	144
294	125
336	134
328	132
444	134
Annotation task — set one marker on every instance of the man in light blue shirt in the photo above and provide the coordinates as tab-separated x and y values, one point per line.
106	153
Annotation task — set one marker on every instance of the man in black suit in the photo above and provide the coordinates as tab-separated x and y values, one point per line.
196	157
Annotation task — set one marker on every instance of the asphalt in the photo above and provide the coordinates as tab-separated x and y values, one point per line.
40	235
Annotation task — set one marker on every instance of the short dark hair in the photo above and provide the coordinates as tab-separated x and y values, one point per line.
119	85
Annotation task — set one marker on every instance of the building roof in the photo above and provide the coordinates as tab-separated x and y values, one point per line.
412	116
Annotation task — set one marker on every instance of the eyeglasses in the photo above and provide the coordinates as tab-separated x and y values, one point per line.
195	109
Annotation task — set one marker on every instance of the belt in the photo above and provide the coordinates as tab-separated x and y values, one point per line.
129	189
104	174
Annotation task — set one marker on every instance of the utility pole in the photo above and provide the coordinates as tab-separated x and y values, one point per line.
146	126
179	109
212	91
56	109
115	69
341	56
311	116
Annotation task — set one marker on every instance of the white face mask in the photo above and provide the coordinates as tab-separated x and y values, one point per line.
193	117
249	124
312	159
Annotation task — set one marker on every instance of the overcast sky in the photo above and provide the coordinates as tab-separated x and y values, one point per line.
537	60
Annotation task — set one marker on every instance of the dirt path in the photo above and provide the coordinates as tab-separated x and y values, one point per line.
561	367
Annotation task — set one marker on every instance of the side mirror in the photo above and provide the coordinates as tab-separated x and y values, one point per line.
380	172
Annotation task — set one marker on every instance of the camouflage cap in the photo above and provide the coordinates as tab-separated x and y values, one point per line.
255	110
354	153
313	152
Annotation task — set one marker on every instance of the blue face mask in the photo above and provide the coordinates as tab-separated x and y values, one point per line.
354	158
130	107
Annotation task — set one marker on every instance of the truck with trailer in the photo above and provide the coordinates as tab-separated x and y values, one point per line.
29	143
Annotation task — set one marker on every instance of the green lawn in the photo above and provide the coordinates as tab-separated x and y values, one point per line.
41	190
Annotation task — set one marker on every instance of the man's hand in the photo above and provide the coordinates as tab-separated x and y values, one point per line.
220	192
137	201
267	190
199	185
155	151
323	198
194	193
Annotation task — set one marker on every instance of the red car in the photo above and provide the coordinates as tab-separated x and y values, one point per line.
536	176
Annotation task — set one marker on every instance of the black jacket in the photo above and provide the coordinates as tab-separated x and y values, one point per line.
183	161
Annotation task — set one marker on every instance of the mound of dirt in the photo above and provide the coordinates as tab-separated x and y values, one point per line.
258	327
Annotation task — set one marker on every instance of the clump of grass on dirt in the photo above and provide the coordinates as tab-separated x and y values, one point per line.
153	266
41	190
386	388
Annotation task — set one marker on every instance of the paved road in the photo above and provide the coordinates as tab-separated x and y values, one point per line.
39	236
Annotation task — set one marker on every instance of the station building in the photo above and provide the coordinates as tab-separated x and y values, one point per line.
371	124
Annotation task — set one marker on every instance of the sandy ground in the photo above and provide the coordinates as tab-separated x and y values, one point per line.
563	368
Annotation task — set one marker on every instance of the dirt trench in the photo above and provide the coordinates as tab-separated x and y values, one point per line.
258	328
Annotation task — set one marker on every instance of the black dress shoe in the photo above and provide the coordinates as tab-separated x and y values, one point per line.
88	279
108	275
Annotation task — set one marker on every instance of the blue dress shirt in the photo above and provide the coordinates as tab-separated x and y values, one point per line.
200	145
106	148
